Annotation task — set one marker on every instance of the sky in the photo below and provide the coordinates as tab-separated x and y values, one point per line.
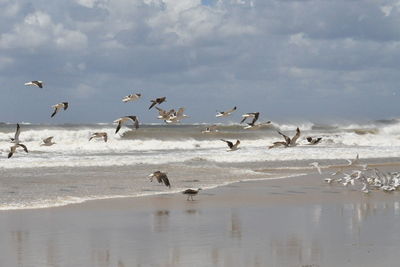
312	60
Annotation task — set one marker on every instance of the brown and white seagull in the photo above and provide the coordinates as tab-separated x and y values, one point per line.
121	120
253	115
163	114
14	148
99	135
59	106
48	141
288	141
232	147
157	101
191	192
161	178
313	141
35	83
131	97
225	113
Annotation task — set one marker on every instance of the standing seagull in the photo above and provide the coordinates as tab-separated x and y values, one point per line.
157	101
99	135
161	178
232	147
190	193
121	120
131	97
57	107
35	83
48	141
225	113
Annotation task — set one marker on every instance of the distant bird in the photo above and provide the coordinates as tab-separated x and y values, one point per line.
157	101
131	97
99	135
161	178
316	165
313	141
176	116
16	135
35	83
190	193
48	141
253	115
254	126
288	141
121	120
57	107
14	148
210	129
225	113
232	147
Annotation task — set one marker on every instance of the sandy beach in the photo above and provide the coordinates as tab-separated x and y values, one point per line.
298	221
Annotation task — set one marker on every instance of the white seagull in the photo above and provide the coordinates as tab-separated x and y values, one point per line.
253	115
59	106
225	113
16	135
121	120
35	83
316	165
177	116
131	97
99	135
232	147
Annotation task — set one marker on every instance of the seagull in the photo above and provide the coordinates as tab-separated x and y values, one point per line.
16	136
161	178
225	113
134	119
131	97
35	83
210	129
279	143
176	116
99	135
288	141
14	148
313	141
157	101
59	106
163	114
232	147
253	115
191	192
316	165
254	126
48	141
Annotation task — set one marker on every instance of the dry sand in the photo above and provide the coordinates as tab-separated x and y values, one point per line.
299	221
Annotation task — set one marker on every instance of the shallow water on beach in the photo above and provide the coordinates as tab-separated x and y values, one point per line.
75	170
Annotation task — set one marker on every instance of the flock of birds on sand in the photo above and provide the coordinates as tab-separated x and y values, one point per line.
361	176
367	177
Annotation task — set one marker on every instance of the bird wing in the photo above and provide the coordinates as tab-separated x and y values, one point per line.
152	104
47	140
54	113
244	118
118	126
105	137
24	147
230	144
17	132
232	110
287	138
295	137
135	121
37	83
165	179
65	105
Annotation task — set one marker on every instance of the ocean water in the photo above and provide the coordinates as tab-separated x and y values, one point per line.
75	170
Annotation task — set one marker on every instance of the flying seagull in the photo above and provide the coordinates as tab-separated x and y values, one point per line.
14	148
316	165
131	97
210	129
190	193
59	106
176	116
313	141
121	120
288	141
232	147
225	113
161	178
253	126
163	114
253	115
48	141
35	83
99	135
157	101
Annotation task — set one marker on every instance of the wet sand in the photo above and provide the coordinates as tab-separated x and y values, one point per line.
298	221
